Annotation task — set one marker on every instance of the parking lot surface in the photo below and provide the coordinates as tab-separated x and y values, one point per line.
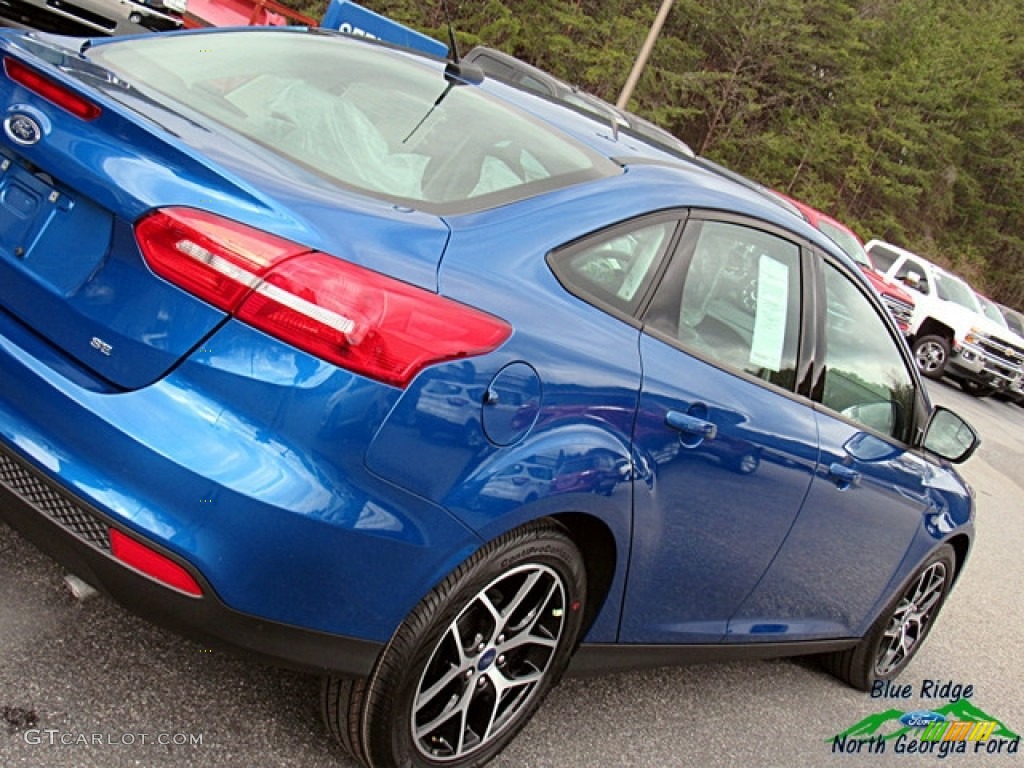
86	684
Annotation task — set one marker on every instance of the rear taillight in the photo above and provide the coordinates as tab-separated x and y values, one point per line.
51	90
218	260
348	315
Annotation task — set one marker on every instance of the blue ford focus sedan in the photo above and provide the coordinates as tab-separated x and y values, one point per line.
344	357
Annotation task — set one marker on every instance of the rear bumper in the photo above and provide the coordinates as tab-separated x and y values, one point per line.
75	534
245	472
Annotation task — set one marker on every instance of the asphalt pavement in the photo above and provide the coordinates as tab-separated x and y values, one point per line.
86	684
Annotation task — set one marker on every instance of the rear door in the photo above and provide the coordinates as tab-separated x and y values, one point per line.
730	447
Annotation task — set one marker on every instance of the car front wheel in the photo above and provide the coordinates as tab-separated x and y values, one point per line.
931	354
898	633
473	661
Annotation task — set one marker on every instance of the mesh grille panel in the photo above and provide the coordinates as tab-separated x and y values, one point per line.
42	494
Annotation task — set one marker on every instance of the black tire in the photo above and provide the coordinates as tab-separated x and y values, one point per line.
135	17
435	697
886	650
931	353
340	707
976	389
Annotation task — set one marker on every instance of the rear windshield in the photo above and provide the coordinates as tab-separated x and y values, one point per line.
363	116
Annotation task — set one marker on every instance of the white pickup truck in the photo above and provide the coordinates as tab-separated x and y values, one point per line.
948	332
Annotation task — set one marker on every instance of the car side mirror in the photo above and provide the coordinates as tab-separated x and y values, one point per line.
913	280
950	437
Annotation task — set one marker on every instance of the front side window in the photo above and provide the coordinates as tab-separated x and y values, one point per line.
992	311
1015	321
735	300
866	378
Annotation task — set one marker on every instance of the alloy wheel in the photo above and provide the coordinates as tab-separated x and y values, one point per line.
931	357
489	663
911	618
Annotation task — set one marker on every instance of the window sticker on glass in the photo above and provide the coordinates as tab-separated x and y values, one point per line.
770	320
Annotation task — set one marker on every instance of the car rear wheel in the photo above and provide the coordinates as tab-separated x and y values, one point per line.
473	661
896	636
931	354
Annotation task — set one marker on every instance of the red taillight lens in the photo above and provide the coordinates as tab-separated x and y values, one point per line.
152	563
218	260
366	322
51	90
348	315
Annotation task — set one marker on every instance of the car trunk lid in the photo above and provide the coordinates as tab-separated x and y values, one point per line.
78	170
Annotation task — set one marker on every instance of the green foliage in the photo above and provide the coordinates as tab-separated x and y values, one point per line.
904	118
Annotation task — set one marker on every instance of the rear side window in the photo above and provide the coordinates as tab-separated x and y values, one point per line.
735	301
365	117
614	271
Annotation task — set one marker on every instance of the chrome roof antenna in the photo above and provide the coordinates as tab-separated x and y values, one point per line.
458	71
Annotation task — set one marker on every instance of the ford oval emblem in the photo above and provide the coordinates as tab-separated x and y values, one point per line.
486	660
921	718
22	129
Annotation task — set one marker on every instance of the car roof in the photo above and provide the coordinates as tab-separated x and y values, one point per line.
574	96
814	214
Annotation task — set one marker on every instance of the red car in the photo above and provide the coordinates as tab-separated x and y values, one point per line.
898	301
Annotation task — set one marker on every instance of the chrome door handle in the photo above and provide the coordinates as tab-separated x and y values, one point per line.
691	425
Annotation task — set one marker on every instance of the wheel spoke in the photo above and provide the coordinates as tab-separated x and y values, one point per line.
484	599
520	596
523	639
929	601
535	614
503	708
426	697
456	666
503	683
458	708
928	590
890	658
